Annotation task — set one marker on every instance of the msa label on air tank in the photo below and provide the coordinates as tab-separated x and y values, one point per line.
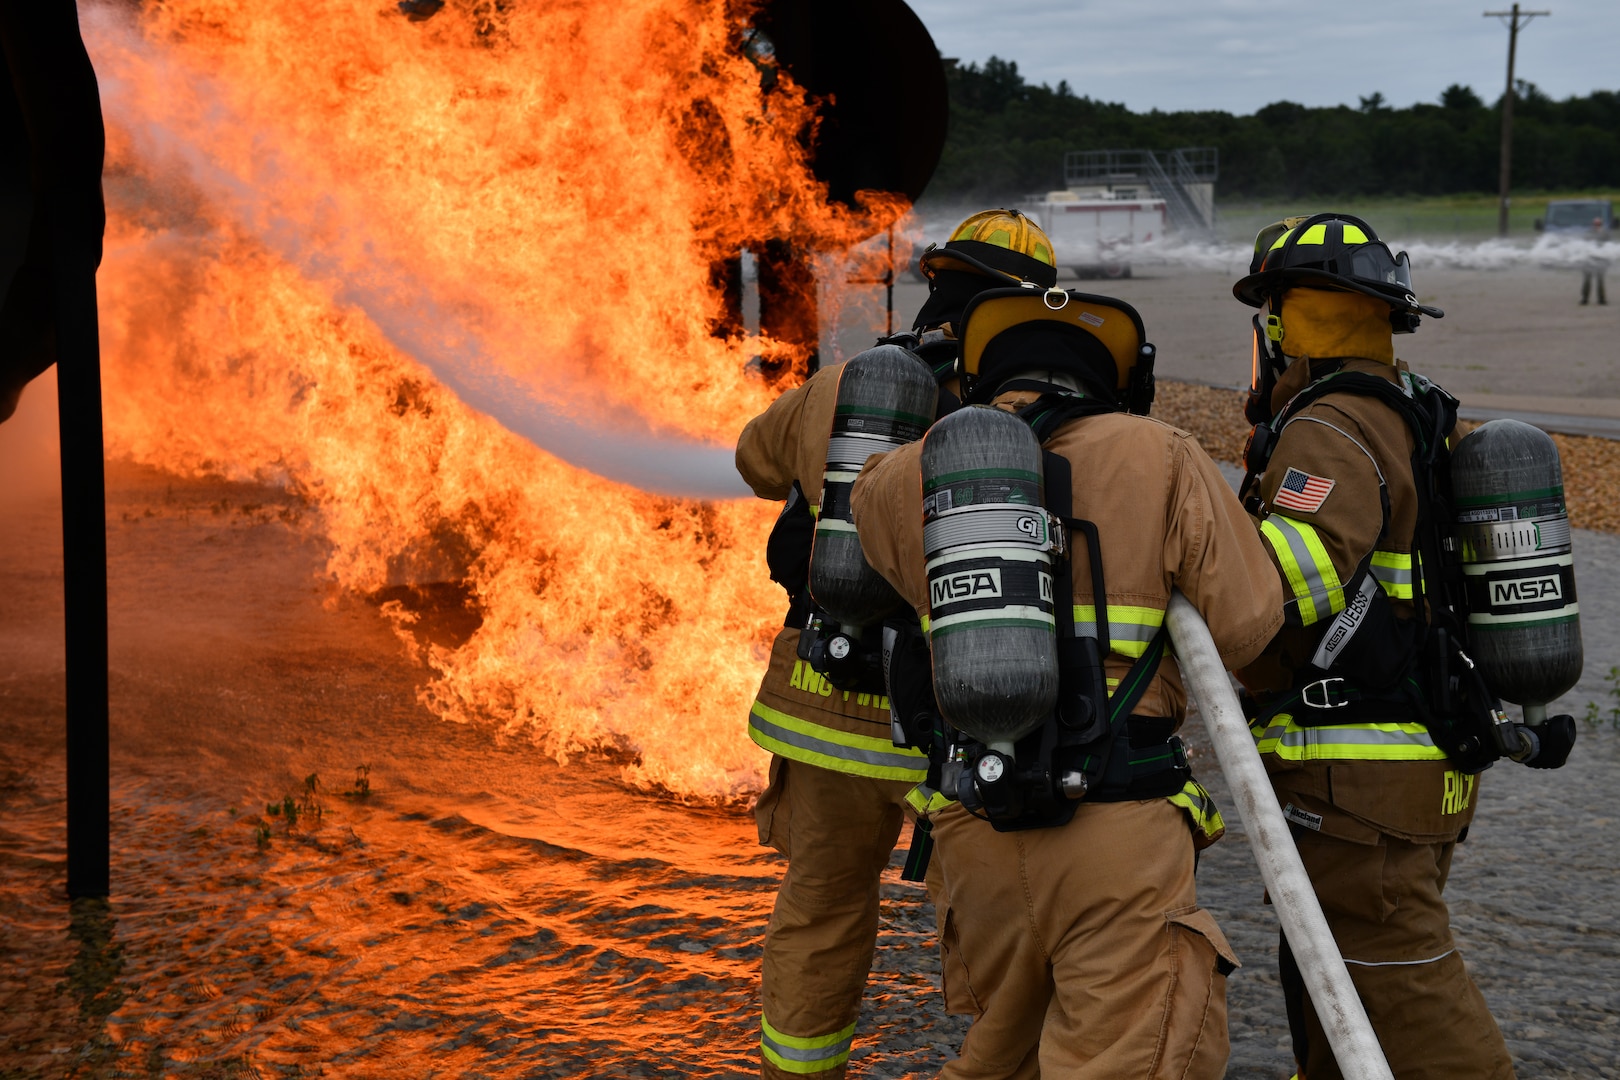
969	585
1526	590
1534	591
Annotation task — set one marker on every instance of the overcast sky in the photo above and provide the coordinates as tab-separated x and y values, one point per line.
1238	55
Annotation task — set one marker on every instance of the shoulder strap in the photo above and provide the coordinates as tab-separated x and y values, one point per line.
1428	410
1049	412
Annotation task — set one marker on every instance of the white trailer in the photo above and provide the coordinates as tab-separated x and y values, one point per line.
1095	234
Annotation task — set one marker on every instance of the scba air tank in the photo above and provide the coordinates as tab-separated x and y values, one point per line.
987	540
886	398
1523	621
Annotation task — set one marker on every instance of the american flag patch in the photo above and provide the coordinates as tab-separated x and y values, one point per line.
1303	492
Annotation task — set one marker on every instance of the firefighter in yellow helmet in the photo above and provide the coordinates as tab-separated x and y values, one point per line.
1070	928
838	784
1378	783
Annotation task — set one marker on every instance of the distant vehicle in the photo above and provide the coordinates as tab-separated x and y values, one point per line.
1575	217
1095	233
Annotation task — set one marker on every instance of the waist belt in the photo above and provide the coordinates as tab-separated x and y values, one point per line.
1148	763
1336	700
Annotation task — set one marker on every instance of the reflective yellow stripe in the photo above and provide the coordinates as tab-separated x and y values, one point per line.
1130	628
926	623
1347	742
1317	591
805	1056
841	751
1200	806
1316	234
1353	235
815	509
925	800
1393	569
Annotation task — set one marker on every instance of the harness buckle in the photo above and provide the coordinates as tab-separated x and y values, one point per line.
1057	535
1326	688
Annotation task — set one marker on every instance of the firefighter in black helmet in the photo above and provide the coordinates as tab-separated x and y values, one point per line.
1342	473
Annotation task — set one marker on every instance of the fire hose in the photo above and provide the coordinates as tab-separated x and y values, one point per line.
1349	1032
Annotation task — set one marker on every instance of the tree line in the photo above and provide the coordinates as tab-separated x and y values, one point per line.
1009	136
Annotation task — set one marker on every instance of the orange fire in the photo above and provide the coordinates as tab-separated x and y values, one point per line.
321	215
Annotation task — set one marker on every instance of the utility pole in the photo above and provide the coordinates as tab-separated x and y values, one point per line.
1515	20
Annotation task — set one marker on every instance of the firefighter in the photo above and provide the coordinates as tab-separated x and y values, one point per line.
1073	936
838	785
1336	486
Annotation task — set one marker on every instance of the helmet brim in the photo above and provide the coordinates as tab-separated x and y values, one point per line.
990	260
1256	288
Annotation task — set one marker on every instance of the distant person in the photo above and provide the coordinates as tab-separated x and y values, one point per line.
1594	267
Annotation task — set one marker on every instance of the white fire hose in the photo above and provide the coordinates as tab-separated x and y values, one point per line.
1338	1007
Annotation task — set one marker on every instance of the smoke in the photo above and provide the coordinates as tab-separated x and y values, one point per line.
335	241
1546	252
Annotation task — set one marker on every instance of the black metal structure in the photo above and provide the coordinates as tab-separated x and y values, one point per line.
882	127
51	223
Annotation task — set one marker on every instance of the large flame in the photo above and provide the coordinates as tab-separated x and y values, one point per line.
332	231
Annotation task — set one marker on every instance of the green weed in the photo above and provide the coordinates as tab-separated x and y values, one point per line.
1595	714
362	783
306	805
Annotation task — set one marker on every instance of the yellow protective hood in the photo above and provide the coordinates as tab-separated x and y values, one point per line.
1319	323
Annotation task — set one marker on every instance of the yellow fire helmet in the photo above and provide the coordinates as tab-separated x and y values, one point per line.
1098	339
998	244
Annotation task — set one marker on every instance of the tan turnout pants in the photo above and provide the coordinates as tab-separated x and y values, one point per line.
1383	902
1081	951
837	832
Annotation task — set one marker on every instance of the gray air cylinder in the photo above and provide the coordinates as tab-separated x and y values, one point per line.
1523	621
886	398
987	539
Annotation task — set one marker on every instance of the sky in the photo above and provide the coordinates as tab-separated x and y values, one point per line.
1239	55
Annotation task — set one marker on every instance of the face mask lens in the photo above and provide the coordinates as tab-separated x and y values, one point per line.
1255	374
1403	272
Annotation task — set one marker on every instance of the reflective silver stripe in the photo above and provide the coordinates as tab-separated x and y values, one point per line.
1305	561
909	761
1121	630
1392	575
833	1053
1351	736
1126	623
1398	963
